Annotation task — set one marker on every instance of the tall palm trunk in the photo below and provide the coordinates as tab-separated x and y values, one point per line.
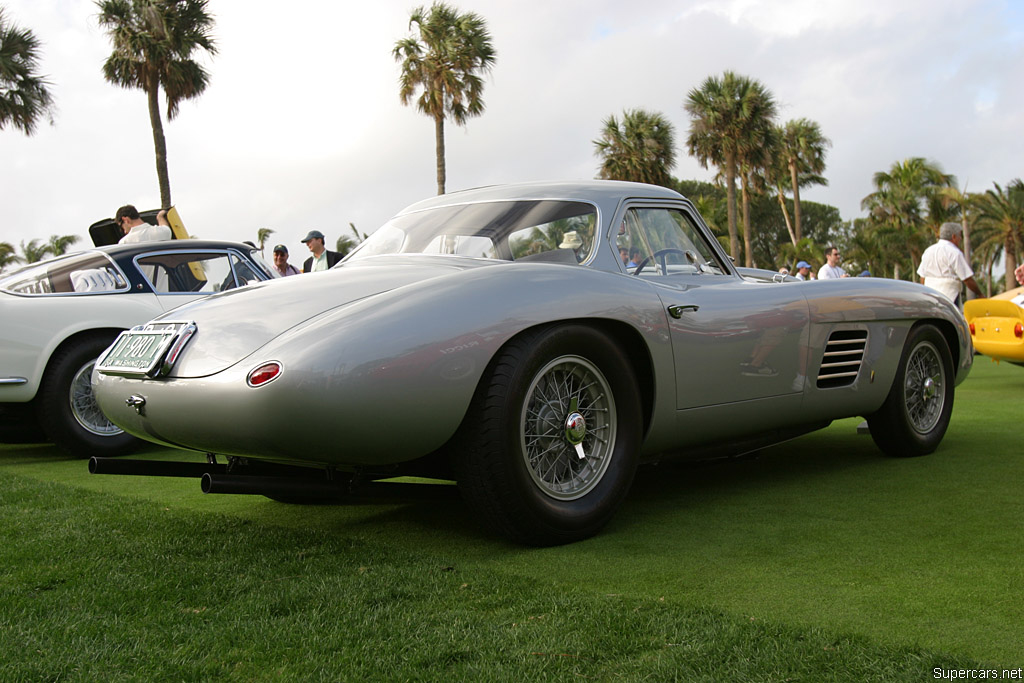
748	248
1010	250
439	150
967	234
785	213
730	192
159	143
915	261
798	226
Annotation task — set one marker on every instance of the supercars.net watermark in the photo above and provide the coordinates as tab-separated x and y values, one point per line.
978	674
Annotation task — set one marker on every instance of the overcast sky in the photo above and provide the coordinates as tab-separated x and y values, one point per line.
301	126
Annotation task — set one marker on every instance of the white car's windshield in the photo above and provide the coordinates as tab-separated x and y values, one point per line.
512	230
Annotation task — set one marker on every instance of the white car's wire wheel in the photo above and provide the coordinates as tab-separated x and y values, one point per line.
66	407
916	413
84	407
548	449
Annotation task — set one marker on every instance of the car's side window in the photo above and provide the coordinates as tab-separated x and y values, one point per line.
662	241
567	240
243	271
188	273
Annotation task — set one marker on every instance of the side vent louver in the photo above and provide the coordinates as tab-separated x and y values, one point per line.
844	354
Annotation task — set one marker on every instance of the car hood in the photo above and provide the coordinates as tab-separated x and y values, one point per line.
232	325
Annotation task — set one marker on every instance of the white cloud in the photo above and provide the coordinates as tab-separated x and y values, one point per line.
301	126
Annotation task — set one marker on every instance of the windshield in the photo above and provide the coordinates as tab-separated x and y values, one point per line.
510	231
89	272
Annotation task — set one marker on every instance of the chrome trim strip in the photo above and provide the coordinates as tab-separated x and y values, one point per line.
184	334
857	351
840	374
13	380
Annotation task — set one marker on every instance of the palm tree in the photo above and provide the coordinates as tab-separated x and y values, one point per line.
804	250
965	201
262	235
24	95
775	175
902	195
713	211
154	41
33	252
867	246
753	169
641	149
345	243
59	244
802	146
7	255
1002	212
729	117
444	59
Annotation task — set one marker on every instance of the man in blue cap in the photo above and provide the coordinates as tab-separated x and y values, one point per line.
803	271
322	259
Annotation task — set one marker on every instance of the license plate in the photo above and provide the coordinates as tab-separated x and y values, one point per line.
142	350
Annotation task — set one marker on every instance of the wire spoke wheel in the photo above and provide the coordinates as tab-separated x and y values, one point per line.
66	406
549	447
568	427
914	417
924	387
84	407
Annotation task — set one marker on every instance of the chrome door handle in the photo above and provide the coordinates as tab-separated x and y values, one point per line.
678	310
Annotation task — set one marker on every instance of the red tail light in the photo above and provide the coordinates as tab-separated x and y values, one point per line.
263	374
1018	330
971	325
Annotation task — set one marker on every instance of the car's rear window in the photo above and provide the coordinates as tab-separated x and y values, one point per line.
508	230
90	272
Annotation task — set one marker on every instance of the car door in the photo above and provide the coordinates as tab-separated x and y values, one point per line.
733	340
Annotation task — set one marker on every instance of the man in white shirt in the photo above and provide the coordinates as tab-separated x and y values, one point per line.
831	269
943	266
137	230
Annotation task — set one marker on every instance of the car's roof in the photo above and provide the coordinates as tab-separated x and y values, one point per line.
596	191
190	244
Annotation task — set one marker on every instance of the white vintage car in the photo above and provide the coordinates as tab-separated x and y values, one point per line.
59	314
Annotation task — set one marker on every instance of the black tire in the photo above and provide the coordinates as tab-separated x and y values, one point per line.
515	460
67	409
915	415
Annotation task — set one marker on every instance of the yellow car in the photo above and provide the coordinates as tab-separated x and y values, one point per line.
997	325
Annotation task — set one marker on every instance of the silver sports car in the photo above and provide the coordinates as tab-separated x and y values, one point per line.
535	343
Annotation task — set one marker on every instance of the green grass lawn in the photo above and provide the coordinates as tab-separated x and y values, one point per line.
817	560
